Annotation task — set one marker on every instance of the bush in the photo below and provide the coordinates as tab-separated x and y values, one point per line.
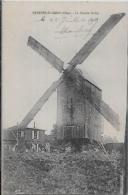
61	173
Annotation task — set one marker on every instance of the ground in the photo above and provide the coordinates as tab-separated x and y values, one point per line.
90	172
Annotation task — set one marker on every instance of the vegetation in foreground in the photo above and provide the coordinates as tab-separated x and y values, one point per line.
90	172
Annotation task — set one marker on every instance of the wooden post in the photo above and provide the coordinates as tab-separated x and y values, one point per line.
121	183
34	125
37	147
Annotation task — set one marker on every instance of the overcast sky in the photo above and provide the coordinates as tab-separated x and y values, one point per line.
26	75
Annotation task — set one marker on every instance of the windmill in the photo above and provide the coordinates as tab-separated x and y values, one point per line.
70	71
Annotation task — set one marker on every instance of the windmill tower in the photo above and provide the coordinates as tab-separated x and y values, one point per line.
76	117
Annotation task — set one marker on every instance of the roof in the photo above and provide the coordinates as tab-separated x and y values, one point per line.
86	76
30	128
9	135
34	129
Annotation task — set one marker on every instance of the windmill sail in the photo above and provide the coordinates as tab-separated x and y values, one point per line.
48	55
109	115
107	112
101	33
39	104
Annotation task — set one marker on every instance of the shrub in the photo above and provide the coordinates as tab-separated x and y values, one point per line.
63	173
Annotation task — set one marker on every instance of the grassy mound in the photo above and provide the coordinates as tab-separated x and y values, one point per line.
61	173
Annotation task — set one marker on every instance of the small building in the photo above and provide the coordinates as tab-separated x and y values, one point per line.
27	138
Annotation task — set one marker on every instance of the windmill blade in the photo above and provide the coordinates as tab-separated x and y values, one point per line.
105	110
88	47
48	55
39	104
110	115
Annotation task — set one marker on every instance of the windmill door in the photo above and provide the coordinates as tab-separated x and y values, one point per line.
69	131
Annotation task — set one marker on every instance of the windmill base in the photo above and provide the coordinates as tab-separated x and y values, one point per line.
78	145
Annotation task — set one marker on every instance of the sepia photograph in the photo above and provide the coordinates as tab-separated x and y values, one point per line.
64	98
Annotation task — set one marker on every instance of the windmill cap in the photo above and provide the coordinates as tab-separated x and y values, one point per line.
123	14
87	77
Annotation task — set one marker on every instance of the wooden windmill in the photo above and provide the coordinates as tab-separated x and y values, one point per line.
72	74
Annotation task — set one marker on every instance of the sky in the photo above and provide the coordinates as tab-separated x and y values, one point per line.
26	75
